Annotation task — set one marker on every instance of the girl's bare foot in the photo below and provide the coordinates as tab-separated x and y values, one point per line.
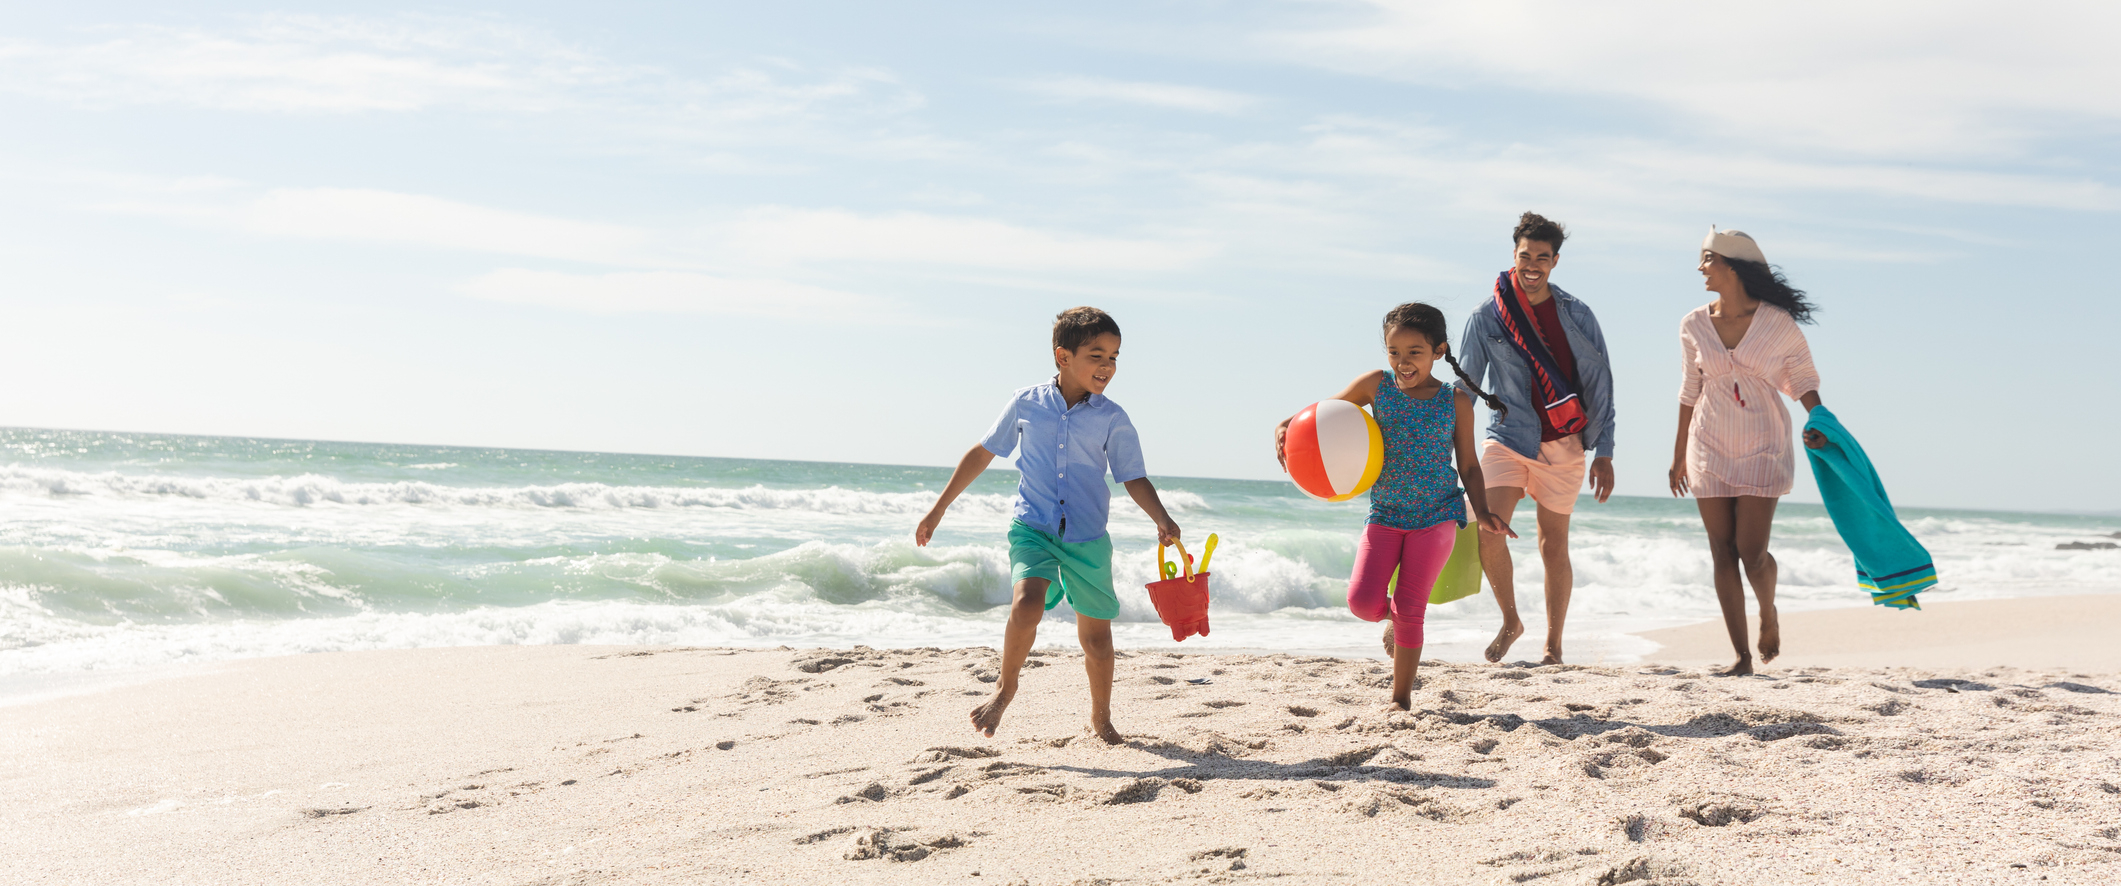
1511	630
989	715
1391	648
1744	668
1103	728
1770	636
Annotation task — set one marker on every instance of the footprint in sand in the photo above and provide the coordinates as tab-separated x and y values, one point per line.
925	776
1005	769
1383	800
826	834
890	845
1722	812
1232	858
952	752
1606	763
1534	864
874	793
1143	790
822	664
766	690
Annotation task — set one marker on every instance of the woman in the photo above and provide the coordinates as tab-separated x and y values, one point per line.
1733	450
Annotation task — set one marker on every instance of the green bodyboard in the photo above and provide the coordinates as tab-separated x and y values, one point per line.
1460	577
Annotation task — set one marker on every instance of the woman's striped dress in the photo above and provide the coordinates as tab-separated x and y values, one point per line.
1740	442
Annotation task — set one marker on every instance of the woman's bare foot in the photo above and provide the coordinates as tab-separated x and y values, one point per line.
1744	668
1104	730
1403	702
1770	636
1553	655
989	715
1391	648
1511	630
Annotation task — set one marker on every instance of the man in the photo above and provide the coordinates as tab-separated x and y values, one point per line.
1540	350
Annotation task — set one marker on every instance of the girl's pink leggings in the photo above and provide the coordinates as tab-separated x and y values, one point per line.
1419	556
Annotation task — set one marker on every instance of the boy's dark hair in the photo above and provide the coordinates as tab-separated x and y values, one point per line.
1075	327
1538	229
1766	283
1429	322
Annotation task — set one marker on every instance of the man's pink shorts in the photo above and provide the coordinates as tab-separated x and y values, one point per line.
1553	480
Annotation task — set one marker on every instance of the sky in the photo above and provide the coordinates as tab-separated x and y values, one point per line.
839	231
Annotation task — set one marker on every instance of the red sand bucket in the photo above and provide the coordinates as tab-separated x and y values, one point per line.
1182	602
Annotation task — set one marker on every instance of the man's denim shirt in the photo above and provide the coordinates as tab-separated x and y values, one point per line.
1494	363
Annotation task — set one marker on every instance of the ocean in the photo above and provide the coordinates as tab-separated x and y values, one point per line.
134	551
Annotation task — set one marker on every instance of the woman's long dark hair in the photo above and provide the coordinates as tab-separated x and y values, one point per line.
1766	283
1429	322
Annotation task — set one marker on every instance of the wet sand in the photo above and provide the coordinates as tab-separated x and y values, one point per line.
2081	633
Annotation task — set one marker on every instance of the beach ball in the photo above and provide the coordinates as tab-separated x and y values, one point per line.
1334	450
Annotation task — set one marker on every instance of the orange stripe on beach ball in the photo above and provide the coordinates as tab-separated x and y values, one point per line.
1300	446
1334	450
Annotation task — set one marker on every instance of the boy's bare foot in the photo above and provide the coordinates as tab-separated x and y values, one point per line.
1104	731
1770	636
989	715
1511	630
1391	649
1744	668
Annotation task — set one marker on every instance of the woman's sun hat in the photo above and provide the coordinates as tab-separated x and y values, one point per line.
1733	244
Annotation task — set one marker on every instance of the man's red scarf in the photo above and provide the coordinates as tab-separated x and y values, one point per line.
1563	409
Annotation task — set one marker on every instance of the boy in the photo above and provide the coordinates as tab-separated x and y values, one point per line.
1066	434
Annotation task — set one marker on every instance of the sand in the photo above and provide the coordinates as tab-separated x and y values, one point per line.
2030	632
587	765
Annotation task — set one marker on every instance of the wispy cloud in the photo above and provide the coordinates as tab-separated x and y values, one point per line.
432	222
340	65
305	64
783	235
411	220
1159	95
1905	79
675	292
1636	176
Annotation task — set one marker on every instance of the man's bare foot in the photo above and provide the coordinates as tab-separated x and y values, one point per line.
1391	649
989	715
1744	668
1770	636
1104	731
1511	630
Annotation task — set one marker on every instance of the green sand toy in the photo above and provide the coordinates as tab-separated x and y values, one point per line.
1460	577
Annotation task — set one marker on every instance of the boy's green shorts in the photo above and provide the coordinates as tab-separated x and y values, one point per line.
1080	571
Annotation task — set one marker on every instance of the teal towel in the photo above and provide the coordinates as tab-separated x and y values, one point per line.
1890	563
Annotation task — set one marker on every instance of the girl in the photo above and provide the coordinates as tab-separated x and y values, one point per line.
1416	505
1733	448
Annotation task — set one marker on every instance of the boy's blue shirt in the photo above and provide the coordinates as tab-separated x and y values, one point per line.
1063	454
